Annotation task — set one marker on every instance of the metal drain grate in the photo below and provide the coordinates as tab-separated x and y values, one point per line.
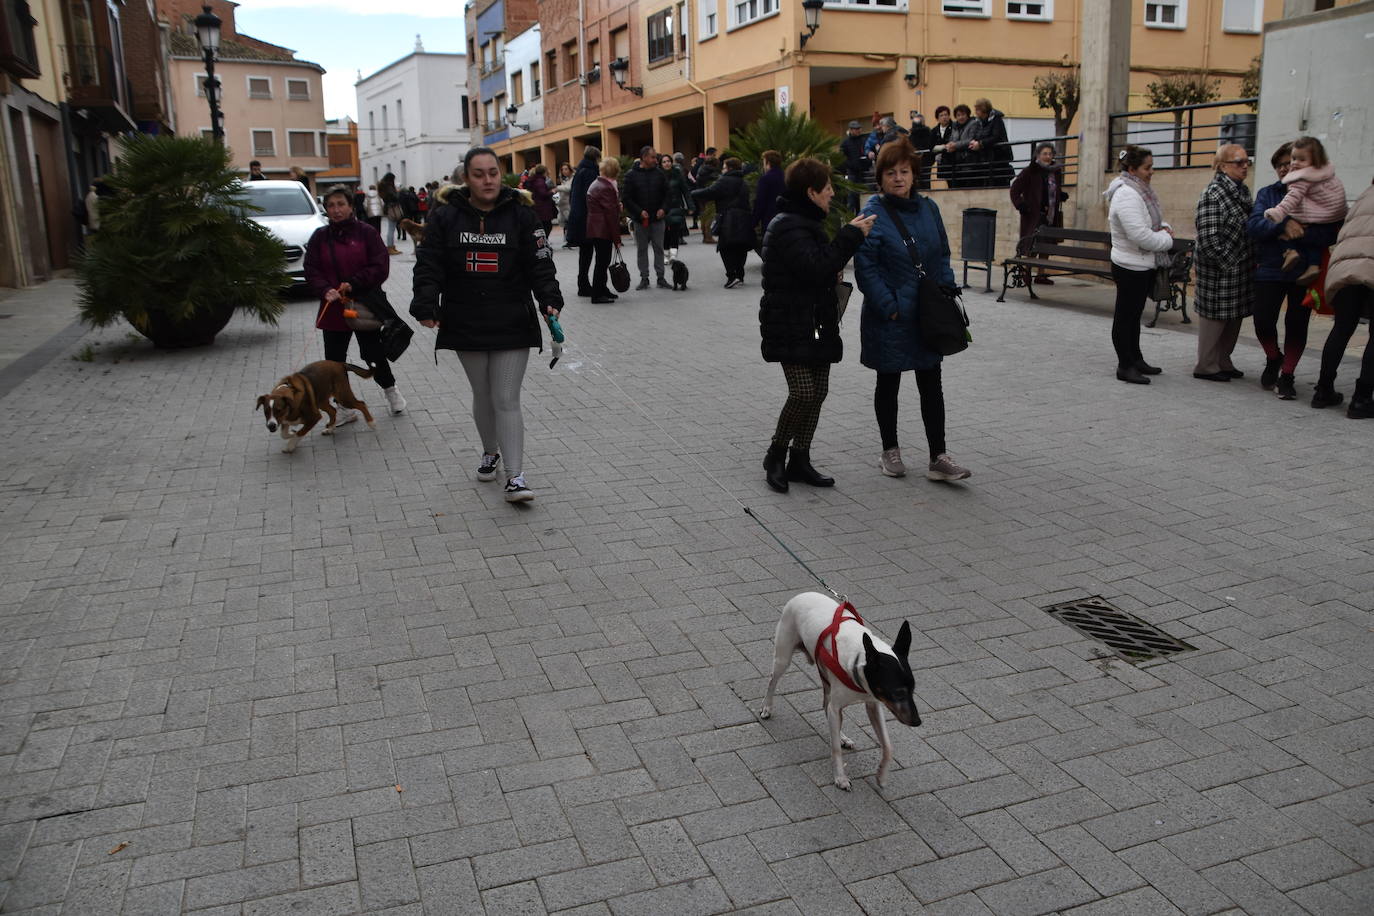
1129	637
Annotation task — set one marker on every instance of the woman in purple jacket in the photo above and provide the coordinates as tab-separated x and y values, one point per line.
345	258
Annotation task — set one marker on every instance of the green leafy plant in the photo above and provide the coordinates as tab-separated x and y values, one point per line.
794	135
1250	82
1181	89
1058	92
175	246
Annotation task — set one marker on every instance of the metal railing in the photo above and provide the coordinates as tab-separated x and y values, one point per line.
942	175
1189	139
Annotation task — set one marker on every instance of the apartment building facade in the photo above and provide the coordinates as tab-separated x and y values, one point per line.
342	152
695	70
273	104
414	118
489	26
74	78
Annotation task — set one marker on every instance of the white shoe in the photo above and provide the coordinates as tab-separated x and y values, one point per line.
517	492
487	469
345	416
891	463
394	400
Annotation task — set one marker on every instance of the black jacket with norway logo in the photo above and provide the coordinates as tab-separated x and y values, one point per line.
478	274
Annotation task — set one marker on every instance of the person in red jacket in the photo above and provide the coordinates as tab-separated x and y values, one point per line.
343	259
603	226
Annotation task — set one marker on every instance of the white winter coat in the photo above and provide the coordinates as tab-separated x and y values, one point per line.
1133	241
374	202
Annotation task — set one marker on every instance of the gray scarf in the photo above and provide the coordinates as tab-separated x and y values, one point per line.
1147	194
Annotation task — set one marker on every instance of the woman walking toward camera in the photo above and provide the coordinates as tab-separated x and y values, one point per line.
346	259
1225	265
1140	242
798	315
484	261
889	327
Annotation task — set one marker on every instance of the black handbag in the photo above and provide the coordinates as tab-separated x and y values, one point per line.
940	315
619	272
373	312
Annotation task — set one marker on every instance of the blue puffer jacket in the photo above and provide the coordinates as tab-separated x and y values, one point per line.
1268	246
889	283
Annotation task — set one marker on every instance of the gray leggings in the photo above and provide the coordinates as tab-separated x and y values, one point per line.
496	377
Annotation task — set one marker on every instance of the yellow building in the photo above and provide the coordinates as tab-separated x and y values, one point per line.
694	70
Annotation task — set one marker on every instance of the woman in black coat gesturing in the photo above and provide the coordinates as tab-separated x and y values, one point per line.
798	315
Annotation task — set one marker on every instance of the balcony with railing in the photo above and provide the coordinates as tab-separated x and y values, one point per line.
96	83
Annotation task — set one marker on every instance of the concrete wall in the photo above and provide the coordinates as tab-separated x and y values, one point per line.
1178	191
1316	77
427	138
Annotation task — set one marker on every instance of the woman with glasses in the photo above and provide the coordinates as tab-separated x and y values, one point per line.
1274	285
1225	265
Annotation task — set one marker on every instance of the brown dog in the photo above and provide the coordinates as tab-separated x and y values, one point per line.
415	230
299	398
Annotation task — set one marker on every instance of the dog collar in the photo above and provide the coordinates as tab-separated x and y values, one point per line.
827	656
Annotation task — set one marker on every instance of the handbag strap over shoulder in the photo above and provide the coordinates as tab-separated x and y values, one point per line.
912	251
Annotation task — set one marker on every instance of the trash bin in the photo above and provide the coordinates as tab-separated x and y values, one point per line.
979	241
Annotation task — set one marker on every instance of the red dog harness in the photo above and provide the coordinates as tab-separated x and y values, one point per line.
828	655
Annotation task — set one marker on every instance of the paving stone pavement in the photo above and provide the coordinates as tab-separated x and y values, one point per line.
353	679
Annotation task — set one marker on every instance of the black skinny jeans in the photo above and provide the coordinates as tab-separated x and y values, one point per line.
1269	298
602	249
1350	304
932	407
369	347
1132	289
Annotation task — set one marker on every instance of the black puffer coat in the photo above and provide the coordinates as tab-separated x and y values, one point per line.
800	266
576	231
734	218
478	273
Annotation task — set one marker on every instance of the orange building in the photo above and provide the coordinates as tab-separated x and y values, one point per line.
341	137
697	69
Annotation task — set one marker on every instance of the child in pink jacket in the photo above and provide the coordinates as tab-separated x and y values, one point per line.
1315	198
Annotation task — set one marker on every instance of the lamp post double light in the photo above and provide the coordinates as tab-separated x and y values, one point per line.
207	30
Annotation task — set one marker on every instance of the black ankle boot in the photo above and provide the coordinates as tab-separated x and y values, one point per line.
1361	407
775	464
799	468
1270	375
1326	395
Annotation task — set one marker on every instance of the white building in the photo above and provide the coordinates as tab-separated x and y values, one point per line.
413	118
523	89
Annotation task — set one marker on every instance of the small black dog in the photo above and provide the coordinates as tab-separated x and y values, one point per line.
679	274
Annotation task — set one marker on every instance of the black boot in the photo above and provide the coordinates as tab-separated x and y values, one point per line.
775	463
1326	395
1361	403
1270	375
799	468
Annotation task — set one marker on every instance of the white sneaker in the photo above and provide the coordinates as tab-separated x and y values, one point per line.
944	468
346	415
394	400
517	492
891	463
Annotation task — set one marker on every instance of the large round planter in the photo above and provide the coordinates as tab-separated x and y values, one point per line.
197	331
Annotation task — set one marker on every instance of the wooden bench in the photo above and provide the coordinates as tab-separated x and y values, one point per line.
1069	252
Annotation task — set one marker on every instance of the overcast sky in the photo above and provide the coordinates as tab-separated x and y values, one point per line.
345	36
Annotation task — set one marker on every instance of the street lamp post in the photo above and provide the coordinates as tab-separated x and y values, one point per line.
207	29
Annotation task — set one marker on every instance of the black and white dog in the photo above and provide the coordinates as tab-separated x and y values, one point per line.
854	665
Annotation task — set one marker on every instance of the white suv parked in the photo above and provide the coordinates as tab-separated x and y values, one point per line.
289	212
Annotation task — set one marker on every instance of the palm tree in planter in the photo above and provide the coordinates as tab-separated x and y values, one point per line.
176	254
794	135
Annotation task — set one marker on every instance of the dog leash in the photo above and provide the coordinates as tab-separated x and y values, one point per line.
712	477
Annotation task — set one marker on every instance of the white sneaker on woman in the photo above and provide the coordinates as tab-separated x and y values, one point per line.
394	400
